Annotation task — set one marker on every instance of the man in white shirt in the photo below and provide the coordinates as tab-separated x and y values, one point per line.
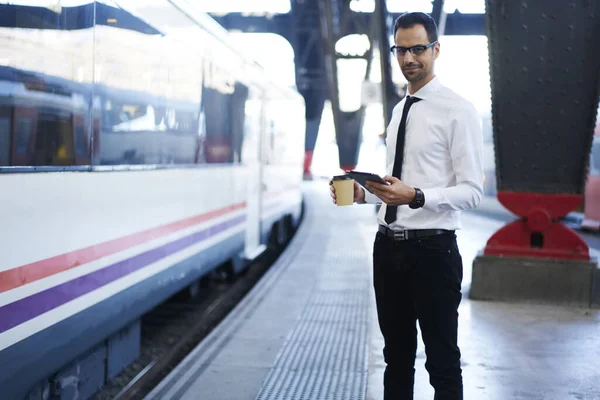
434	167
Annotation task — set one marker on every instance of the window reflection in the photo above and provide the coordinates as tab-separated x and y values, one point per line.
150	131
225	116
45	83
41	121
143	83
54	140
149	83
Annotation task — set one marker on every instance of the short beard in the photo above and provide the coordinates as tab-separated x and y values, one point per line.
416	77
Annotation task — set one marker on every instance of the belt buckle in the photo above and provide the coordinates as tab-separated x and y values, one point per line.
400	235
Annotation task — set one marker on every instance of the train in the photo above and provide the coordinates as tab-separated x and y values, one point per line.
141	149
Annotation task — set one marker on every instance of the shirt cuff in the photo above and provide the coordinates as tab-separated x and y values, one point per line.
370	198
432	199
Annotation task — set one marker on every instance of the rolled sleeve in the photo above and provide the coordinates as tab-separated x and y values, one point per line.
466	148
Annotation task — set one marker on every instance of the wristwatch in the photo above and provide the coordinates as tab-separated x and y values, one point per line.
419	199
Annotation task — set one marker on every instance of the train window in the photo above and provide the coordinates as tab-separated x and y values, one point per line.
46	74
148	133
225	120
151	93
126	117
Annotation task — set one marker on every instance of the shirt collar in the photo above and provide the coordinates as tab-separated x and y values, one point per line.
428	90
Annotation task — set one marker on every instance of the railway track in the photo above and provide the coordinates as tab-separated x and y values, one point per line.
174	328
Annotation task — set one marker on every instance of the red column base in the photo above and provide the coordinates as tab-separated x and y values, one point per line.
308	156
556	242
538	234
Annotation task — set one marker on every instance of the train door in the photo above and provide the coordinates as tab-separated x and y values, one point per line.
253	128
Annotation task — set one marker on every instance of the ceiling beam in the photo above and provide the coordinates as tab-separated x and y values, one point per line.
455	24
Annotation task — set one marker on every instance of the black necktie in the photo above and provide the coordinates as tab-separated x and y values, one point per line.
390	212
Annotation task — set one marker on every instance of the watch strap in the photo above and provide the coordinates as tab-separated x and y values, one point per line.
419	199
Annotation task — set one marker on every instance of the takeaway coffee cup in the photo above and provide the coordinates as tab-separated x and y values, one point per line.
344	190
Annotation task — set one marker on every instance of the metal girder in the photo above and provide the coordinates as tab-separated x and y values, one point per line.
335	18
306	42
280	24
383	26
310	69
439	15
455	24
313	28
544	103
532	51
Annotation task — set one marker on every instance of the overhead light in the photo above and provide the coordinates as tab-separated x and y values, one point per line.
112	20
364	6
354	44
57	7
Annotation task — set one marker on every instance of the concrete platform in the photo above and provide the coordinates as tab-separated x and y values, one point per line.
309	329
302	332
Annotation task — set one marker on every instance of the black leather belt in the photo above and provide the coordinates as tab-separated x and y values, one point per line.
408	234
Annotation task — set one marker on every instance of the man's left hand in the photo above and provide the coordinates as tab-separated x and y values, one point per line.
397	193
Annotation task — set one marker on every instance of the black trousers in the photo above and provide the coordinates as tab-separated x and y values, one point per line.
419	280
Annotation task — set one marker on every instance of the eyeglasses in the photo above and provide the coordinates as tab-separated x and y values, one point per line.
415	50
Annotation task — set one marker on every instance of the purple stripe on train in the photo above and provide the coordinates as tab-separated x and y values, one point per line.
20	311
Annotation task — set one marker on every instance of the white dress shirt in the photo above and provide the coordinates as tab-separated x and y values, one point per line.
442	156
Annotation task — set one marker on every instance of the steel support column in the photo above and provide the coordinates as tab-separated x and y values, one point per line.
544	109
310	69
439	16
384	28
348	125
544	64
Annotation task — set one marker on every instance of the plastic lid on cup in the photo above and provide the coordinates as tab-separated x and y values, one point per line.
342	177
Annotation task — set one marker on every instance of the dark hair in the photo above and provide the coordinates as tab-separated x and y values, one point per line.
408	20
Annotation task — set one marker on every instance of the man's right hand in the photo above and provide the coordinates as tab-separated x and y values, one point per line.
359	193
